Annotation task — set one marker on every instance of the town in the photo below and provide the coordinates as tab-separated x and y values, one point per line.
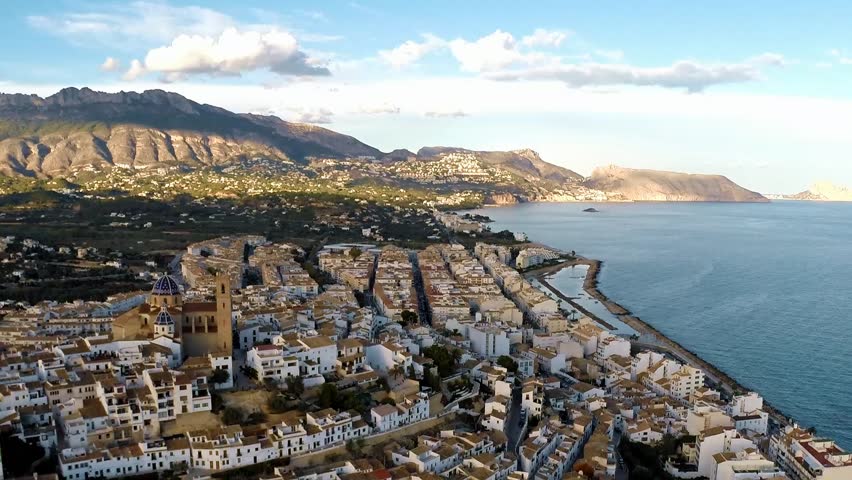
381	362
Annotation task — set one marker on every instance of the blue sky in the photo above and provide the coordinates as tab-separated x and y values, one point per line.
758	91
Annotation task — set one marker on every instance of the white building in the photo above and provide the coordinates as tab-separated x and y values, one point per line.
489	341
746	465
412	408
747	412
271	363
805	457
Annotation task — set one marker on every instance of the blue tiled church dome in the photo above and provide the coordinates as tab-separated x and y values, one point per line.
165	285
163	318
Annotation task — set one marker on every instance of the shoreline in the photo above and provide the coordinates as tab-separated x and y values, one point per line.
541	274
663	344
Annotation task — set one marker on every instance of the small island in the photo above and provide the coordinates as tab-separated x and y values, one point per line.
591	210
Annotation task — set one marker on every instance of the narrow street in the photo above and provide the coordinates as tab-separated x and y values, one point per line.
422	303
514	422
621	472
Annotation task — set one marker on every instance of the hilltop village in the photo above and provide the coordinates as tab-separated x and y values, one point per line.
368	361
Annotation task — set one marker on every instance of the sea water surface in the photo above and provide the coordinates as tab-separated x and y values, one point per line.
762	291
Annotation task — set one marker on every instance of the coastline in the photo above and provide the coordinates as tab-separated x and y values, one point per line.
658	341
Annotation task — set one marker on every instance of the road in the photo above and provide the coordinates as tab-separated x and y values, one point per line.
513	421
243	382
621	472
422	301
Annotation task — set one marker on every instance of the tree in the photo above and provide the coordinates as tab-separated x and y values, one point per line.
251	373
642	473
296	386
408	317
432	380
328	395
396	371
255	418
355	252
278	404
270	384
220	375
382	382
444	359
232	415
355	447
508	363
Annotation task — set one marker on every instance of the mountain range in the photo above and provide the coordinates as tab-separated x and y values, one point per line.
82	130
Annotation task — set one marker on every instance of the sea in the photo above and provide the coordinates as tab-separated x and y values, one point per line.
761	290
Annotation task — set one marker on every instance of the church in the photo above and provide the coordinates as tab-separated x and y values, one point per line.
200	327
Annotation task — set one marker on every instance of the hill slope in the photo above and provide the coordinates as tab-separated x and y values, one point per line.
123	141
654	185
78	129
525	163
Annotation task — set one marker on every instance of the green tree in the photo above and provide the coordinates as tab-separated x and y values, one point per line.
432	380
255	418
278	404
396	371
508	363
296	386
444	359
408	317
328	395
355	447
270	384
220	375
355	252
382	382
232	415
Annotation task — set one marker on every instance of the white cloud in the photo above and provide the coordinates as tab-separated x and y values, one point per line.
232	53
492	52
110	65
499	56
840	56
447	114
411	51
315	116
135	71
544	38
124	26
769	59
381	109
689	75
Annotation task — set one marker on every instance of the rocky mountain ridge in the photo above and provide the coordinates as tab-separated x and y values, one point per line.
78	131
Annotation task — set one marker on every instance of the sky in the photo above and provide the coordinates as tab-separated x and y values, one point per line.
758	91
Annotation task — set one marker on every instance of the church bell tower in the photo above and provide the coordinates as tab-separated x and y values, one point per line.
223	313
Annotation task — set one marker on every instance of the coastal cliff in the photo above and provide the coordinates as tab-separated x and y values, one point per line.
662	186
501	199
